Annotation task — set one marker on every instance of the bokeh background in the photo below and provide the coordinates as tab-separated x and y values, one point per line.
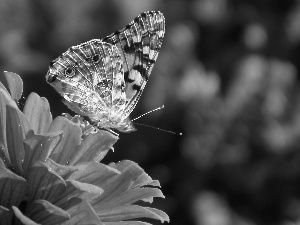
228	76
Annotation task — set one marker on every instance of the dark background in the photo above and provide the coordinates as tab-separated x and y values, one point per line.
228	76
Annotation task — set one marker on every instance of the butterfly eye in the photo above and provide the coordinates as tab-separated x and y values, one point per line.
70	72
96	58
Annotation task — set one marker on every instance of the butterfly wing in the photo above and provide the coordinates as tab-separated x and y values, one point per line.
138	43
90	77
103	79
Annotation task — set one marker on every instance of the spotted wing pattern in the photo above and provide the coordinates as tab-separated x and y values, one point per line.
103	79
139	44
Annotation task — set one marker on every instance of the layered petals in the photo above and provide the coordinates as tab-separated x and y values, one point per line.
50	170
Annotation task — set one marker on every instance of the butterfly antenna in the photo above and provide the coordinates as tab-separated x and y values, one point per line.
168	131
161	107
145	125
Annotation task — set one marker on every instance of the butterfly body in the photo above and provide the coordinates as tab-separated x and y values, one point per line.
103	79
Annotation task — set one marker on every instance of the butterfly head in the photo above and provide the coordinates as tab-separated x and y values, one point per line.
126	126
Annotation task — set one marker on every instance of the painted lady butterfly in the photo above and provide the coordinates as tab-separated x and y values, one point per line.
103	79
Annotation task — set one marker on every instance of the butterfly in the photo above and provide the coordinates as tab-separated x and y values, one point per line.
103	79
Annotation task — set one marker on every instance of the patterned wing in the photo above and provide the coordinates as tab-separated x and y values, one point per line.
90	77
139	43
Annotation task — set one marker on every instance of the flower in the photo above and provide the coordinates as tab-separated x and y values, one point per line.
50	170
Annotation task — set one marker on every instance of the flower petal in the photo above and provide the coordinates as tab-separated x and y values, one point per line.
37	110
81	213
5	100
132	212
138	175
43	212
95	173
134	195
85	126
6	216
162	215
17	127
64	171
14	127
121	190
78	190
66	149
127	223
39	147
14	84
3	87
89	191
71	150
44	183
12	187
24	219
94	147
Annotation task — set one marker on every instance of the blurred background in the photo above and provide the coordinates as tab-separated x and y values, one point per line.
228	76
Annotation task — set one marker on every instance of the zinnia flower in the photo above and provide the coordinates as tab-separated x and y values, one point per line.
50	170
